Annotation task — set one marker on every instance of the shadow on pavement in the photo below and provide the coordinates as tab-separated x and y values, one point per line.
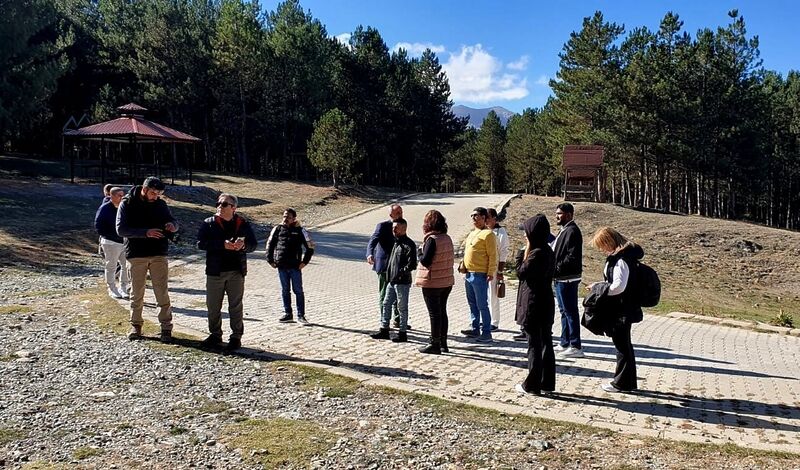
340	245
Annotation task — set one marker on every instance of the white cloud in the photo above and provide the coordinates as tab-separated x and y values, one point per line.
543	80
417	48
475	77
343	38
520	64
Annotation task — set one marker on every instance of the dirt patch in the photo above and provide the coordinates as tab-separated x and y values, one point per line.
707	266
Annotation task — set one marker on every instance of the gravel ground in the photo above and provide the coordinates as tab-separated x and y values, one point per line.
76	396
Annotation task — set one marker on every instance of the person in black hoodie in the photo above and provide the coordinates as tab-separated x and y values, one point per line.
619	272
286	245
227	238
402	260
146	224
536	307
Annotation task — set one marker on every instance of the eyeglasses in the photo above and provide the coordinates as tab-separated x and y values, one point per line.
224	204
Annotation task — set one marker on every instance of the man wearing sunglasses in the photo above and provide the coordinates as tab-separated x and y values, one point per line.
479	268
146	224
227	238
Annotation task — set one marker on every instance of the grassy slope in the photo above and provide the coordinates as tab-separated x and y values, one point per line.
703	263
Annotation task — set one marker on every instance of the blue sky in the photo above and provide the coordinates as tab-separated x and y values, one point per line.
502	53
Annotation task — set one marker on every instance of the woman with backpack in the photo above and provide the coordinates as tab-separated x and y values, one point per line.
623	301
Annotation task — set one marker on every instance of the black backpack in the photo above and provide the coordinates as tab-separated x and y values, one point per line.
648	285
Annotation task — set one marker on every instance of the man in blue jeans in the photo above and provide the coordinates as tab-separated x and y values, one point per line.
289	248
479	267
568	249
402	260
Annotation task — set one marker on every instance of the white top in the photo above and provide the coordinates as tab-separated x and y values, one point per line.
502	243
621	274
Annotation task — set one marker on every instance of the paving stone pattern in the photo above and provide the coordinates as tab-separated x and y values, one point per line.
698	382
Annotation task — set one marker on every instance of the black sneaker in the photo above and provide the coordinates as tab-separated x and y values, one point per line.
286	318
470	333
212	342
522	336
431	349
383	333
233	344
166	336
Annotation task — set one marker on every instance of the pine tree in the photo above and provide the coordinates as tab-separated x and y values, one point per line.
332	148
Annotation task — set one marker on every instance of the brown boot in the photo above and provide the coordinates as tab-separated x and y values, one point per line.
166	336
135	333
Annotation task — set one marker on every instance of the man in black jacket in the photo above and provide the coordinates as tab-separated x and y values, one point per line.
145	222
568	249
402	260
289	249
227	238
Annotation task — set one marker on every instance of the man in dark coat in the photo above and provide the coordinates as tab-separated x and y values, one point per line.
535	306
378	248
147	225
227	238
568	250
289	249
402	260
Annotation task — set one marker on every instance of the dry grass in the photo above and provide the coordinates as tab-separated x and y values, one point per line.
280	442
703	263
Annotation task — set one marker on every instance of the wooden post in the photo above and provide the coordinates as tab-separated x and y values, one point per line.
174	159
72	165
103	161
191	162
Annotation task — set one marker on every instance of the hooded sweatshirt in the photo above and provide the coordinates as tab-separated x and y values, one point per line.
135	216
535	304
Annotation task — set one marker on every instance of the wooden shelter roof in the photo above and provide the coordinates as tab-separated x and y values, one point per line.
131	124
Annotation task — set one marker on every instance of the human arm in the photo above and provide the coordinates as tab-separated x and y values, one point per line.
271	242
620	280
250	240
571	254
205	240
373	242
125	230
428	252
308	245
491	253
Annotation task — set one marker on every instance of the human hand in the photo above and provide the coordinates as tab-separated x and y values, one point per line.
155	233
273	265
489	277
302	265
229	245
170	227
370	259
499	275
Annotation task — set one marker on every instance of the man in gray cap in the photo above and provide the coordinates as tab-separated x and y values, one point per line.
145	222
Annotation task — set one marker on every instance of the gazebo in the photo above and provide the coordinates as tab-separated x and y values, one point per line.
133	129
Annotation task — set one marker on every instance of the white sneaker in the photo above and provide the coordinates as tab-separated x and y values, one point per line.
114	293
125	291
572	352
611	389
559	349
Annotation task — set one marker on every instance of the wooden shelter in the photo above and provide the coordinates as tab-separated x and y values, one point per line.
583	173
132	132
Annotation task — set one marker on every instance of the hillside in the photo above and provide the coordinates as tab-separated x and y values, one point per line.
477	115
707	266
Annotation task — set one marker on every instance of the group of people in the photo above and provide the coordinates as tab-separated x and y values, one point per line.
135	230
549	269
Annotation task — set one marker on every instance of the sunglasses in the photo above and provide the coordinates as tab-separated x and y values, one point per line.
224	204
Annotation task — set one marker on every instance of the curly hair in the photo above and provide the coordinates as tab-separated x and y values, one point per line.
434	221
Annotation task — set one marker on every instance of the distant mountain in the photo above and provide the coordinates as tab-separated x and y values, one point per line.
477	115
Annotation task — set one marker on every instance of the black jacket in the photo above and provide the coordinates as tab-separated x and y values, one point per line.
535	304
597	316
211	237
286	244
569	252
105	222
626	304
402	260
135	216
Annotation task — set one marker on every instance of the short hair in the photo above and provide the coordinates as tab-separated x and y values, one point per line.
481	211
115	189
492	212
566	207
609	240
434	221
395	206
107	189
233	199
400	221
291	211
153	182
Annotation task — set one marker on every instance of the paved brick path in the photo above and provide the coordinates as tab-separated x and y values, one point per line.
698	382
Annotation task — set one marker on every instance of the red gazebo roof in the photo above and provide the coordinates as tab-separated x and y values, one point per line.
131	125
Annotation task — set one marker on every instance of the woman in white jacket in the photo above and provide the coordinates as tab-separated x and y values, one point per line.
502	254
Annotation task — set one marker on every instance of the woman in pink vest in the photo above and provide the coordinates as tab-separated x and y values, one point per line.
435	276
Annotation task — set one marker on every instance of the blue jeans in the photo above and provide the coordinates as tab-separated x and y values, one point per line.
396	297
477	285
293	278
567	296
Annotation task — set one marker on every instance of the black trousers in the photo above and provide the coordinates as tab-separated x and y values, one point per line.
625	375
436	302
541	359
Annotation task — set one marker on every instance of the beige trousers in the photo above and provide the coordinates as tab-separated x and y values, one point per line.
159	274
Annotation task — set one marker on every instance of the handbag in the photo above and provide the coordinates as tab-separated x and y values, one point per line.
501	289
